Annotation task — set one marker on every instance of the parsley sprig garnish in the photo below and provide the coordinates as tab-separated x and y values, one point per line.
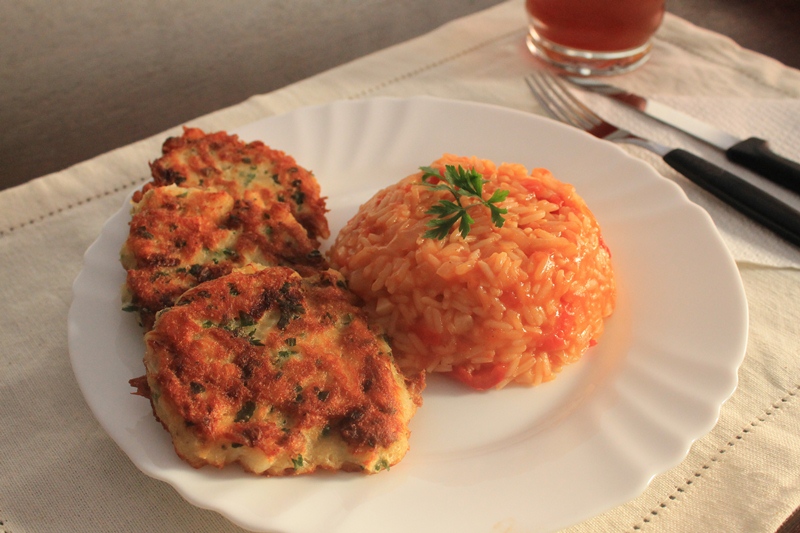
461	183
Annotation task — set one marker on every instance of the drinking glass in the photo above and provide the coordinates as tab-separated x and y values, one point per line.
593	37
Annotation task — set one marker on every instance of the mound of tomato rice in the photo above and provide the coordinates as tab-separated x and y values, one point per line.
503	305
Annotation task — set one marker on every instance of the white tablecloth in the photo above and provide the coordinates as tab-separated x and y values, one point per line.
60	472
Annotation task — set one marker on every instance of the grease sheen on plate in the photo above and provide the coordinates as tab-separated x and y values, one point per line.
540	458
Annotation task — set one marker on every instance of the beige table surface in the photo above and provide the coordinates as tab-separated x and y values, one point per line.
60	472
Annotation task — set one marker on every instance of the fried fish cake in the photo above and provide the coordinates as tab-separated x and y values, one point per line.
223	161
280	374
181	237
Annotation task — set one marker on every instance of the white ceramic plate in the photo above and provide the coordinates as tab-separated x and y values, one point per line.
533	459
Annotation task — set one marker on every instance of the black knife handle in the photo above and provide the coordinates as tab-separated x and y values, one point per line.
755	154
760	206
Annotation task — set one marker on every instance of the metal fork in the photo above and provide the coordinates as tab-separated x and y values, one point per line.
753	202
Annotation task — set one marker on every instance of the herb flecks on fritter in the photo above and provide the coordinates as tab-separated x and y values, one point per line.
181	237
223	161
279	373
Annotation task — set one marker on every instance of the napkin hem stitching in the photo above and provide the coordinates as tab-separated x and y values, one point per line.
57	211
732	67
433	65
760	420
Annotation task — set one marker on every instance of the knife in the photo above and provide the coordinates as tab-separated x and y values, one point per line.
752	153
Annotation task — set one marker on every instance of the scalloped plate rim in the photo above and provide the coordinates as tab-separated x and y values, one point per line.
368	111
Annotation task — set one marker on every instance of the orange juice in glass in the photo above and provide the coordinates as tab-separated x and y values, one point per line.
593	37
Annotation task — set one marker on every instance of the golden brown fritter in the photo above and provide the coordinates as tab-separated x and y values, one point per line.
279	373
181	237
223	161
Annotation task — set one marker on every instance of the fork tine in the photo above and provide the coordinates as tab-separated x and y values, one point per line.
544	98
559	101
580	113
